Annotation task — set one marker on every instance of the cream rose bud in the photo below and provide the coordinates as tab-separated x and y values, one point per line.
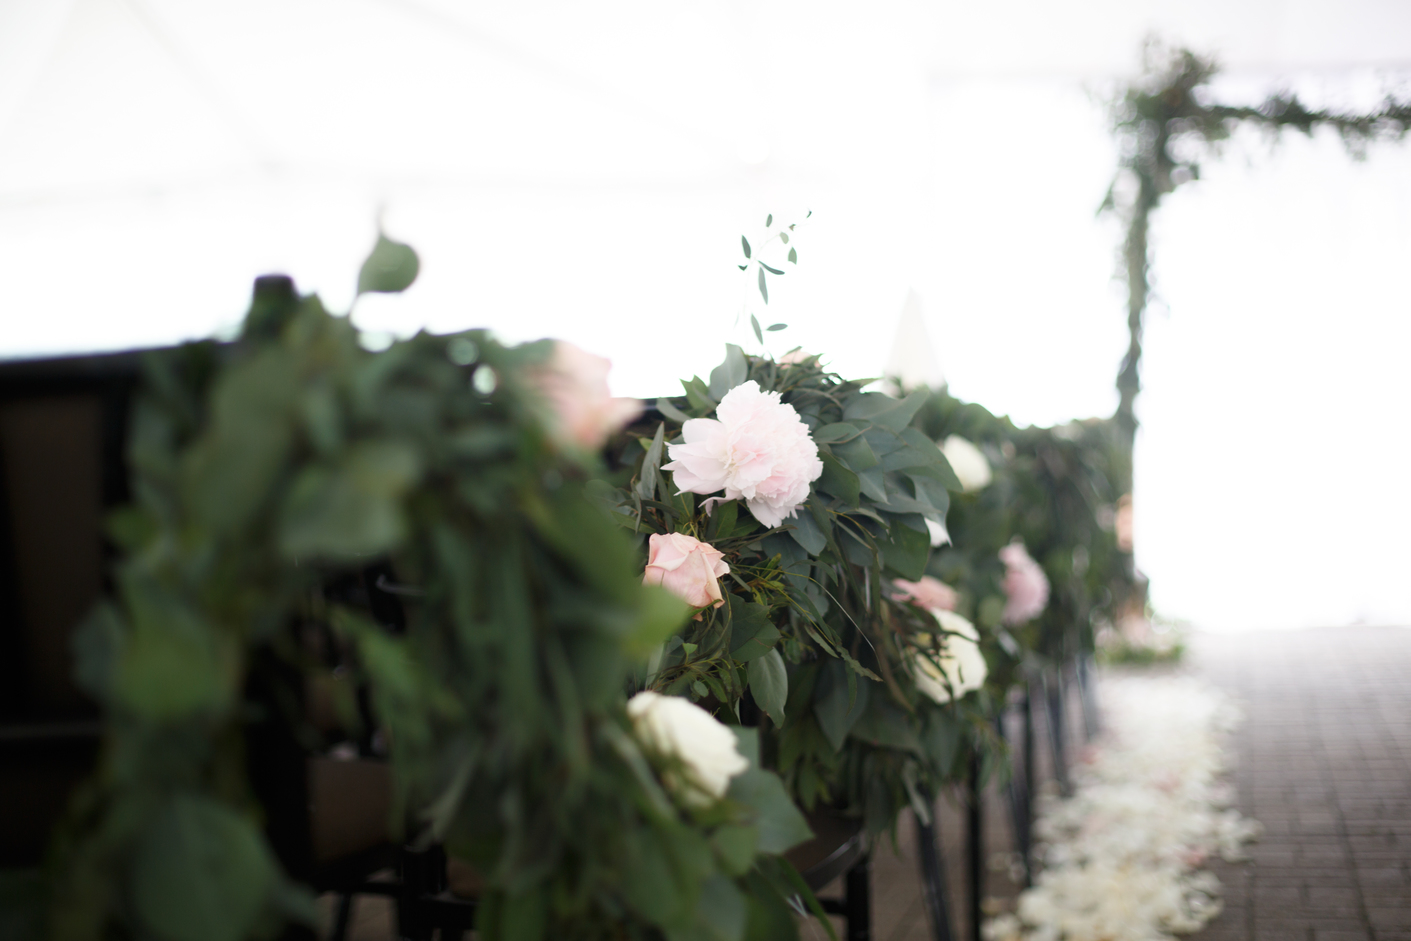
583	410
675	728
1025	585
686	567
968	462
928	593
961	665
756	449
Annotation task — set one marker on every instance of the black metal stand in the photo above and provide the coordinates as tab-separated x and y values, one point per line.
1053	686
975	823
1088	695
1031	777
1016	792
933	875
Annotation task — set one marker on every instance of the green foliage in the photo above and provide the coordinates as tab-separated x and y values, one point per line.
266	471
810	633
1168	121
1056	489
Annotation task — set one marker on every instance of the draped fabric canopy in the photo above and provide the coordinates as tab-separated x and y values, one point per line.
586	170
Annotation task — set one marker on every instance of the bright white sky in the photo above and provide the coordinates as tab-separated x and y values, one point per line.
585	171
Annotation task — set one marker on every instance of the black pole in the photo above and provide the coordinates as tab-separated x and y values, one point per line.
1053	686
1031	781
933	874
976	847
1092	719
1016	796
858	887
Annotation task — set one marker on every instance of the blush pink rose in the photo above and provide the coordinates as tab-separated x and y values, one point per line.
756	449
1025	585
575	383
930	593
686	567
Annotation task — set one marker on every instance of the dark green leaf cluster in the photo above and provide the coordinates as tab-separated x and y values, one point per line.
1056	490
810	633
265	472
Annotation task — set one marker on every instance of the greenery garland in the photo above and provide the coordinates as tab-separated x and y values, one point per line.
1162	122
263	471
811	629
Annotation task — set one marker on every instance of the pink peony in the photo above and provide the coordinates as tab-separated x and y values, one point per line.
794	357
758	449
686	567
929	593
575	383
1024	583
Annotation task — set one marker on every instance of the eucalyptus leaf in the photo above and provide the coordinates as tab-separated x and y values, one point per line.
390	269
732	371
763	289
201	872
780	824
770	684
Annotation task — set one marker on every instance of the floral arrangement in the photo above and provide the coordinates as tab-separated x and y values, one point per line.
262	472
794	510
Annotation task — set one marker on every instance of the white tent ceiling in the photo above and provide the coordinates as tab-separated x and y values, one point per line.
585	170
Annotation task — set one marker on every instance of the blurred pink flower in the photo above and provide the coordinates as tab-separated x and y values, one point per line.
930	593
1024	583
794	357
757	449
686	567
575	383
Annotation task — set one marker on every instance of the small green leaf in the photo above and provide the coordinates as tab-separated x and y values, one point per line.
651	465
769	220
734	847
771	270
794	255
838	480
746	243
770	684
777	819
784	237
776	327
754	321
807	534
671	411
201	873
752	634
836	432
730	373
391	268
763	290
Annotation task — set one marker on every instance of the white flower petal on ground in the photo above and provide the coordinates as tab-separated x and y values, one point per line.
756	449
677	729
1121	857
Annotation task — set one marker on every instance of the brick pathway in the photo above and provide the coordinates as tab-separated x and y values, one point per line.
1325	764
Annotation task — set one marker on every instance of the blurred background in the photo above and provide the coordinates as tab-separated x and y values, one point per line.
586	171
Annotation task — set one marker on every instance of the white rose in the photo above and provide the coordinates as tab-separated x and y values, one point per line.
673	727
961	663
968	462
757	449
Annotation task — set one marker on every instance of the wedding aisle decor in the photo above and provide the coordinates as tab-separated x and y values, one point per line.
1123	857
793	510
266	471
1032	544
